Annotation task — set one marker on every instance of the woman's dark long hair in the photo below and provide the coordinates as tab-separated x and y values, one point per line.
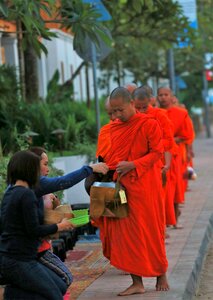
24	165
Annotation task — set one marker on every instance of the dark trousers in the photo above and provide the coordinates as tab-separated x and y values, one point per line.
14	293
33	277
53	262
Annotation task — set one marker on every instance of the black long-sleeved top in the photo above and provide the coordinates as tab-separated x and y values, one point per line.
46	185
21	229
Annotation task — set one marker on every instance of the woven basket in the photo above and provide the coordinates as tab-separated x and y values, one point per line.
66	210
52	217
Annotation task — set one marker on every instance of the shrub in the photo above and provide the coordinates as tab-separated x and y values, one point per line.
3	175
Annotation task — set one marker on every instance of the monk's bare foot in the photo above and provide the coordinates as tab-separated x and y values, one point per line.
178	226
167	236
133	289
162	283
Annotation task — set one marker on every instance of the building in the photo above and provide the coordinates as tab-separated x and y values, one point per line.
61	57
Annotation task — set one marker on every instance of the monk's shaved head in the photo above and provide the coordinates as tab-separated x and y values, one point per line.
130	87
121	92
122	104
141	94
165	97
148	89
165	88
141	99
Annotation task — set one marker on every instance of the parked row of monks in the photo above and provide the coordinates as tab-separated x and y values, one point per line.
148	142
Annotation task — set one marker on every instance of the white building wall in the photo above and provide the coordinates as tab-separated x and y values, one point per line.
10	50
61	56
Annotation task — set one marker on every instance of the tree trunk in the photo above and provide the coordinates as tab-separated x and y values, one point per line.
118	78
108	83
21	60
31	74
87	86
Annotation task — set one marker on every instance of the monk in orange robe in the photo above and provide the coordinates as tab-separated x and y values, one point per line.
185	148
183	134
135	244
142	98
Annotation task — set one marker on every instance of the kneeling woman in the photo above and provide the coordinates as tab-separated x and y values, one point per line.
21	231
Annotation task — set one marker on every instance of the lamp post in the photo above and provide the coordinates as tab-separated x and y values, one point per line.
28	135
93	53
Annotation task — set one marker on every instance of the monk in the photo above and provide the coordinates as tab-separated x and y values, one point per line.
186	149
142	99
183	134
152	98
135	244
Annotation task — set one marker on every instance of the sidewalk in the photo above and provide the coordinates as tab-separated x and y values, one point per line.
205	289
186	248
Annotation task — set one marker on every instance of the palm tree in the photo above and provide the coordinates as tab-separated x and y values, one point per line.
31	19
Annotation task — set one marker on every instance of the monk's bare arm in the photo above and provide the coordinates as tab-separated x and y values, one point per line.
124	167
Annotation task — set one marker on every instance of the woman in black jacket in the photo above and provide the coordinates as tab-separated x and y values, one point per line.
21	231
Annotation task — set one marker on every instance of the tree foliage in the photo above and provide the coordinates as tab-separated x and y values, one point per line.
75	15
82	19
160	21
141	29
190	60
29	13
31	18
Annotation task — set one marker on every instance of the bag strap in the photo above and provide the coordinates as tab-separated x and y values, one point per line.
117	186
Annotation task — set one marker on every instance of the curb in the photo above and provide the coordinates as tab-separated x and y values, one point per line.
194	279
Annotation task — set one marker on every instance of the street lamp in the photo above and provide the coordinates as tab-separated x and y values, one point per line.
28	135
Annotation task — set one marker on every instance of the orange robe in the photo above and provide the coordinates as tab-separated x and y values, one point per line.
135	244
184	153
168	143
167	130
104	142
182	129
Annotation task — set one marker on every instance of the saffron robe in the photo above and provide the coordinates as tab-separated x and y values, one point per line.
136	244
183	130
185	147
168	143
166	125
104	143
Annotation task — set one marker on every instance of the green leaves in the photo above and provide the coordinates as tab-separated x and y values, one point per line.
82	19
137	5
4	9
28	12
79	17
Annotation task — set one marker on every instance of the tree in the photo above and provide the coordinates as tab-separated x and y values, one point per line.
141	29
31	22
30	28
190	62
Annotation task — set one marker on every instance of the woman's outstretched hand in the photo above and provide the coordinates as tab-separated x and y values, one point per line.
100	168
65	224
